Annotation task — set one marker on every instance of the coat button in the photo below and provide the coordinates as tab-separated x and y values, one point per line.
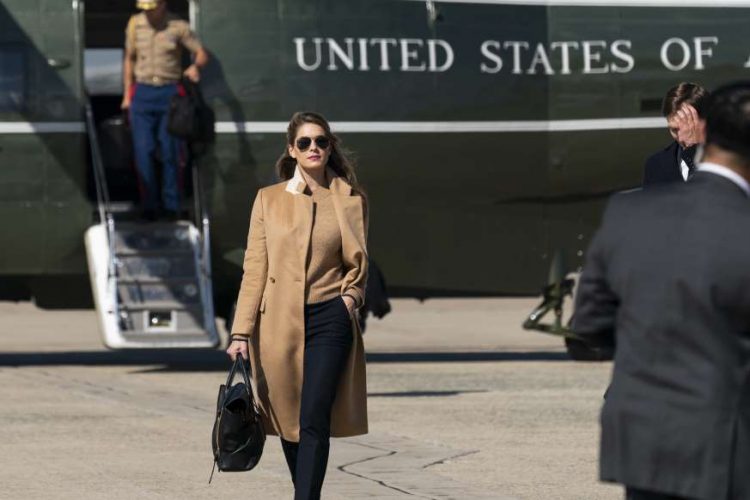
272	280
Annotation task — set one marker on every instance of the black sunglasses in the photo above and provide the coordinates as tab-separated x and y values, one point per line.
304	143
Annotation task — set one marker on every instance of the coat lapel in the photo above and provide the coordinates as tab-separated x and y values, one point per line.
349	212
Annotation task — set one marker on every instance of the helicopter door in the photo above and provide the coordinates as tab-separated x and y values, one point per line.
42	140
151	281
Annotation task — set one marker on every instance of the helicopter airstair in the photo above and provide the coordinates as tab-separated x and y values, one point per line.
151	281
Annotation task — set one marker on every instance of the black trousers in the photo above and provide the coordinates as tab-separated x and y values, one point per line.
635	494
328	340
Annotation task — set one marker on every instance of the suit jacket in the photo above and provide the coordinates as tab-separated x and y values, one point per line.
662	167
667	279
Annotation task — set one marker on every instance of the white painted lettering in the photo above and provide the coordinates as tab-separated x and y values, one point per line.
300	45
384	43
335	50
564	54
432	46
701	51
363	66
683	46
494	58
590	57
410	54
516	54
540	57
618	52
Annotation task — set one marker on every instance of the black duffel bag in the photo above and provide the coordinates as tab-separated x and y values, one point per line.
190	118
238	435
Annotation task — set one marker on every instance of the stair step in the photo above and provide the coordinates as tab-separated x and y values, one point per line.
156	280
186	333
157	305
123	207
156	236
185	291
173	266
151	225
138	252
196	338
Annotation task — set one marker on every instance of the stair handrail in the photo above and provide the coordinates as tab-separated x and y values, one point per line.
203	223
102	189
202	219
100	179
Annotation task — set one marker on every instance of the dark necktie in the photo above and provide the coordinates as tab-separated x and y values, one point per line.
687	156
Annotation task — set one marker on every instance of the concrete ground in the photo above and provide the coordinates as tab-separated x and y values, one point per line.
462	403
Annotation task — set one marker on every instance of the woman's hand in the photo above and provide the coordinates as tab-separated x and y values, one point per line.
238	347
350	305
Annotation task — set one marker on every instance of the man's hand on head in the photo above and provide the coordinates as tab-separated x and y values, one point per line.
692	128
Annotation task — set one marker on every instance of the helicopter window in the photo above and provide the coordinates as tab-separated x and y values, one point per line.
12	80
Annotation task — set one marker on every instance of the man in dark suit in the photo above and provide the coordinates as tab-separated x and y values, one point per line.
683	107
667	281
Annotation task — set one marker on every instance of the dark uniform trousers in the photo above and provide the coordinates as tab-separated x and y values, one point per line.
149	114
328	340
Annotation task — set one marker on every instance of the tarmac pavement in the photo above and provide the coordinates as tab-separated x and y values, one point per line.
463	404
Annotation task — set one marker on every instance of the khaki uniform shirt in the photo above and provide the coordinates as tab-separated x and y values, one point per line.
157	52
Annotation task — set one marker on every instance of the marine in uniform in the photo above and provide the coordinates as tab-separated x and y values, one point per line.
152	69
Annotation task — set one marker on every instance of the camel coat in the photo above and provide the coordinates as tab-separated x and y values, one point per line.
270	306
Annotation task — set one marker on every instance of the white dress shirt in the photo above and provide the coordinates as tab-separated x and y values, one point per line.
684	169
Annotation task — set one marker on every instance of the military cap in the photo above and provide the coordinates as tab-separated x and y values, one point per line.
146	4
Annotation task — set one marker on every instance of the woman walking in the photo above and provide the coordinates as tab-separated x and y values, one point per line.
305	270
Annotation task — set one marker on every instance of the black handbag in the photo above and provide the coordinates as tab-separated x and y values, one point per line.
182	121
238	435
190	118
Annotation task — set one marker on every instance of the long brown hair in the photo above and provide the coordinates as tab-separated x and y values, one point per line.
339	160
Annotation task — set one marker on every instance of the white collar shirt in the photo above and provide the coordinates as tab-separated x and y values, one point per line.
684	169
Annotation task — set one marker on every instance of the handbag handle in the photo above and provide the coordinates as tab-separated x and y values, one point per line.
239	361
250	386
193	90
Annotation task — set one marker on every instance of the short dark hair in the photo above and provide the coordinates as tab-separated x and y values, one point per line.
685	93
728	119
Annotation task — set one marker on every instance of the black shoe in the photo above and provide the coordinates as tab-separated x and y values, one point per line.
171	215
148	215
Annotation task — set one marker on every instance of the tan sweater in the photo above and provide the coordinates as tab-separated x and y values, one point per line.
325	269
